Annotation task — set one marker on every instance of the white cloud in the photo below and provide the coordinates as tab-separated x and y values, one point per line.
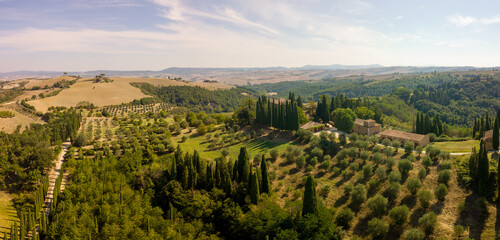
460	20
491	20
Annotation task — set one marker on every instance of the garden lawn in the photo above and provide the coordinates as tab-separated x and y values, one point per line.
254	146
464	146
7	212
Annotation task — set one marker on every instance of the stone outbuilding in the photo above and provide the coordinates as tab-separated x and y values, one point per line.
366	127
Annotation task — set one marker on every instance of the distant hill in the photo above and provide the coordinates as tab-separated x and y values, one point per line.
245	76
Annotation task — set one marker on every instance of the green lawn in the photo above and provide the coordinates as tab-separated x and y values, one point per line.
7	212
465	146
254	146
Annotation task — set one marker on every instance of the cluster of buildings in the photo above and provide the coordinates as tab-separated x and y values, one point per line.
370	127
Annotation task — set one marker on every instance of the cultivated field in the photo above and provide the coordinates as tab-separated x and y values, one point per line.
7	212
112	93
9	124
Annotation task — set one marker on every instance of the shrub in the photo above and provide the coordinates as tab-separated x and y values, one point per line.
345	174
325	164
373	185
428	222
364	155
309	168
441	192
404	166
377	158
358	195
394	176
377	228
445	165
444	176
317	152
304	135
300	161
274	154
424	198
348	187
409	145
367	171
399	215
422	173
386	142
413	185
459	230
313	161
377	205
380	172
393	190
344	217
354	166
376	149
343	164
390	163
461	207
413	234
427	162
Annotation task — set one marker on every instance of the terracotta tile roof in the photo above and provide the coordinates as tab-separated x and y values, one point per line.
311	124
359	121
488	134
403	135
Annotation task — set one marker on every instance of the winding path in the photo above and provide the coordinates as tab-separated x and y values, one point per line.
54	173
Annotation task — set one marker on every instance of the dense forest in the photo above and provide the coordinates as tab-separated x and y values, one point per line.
197	98
457	99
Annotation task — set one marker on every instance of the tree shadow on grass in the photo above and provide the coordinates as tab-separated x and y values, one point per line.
395	232
474	217
410	201
416	215
437	207
341	201
319	174
360	228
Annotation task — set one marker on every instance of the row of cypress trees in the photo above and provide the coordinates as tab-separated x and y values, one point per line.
279	115
238	180
424	124
479	170
481	125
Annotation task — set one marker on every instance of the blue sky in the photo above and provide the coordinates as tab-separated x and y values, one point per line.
78	35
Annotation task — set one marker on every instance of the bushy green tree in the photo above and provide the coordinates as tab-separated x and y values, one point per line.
358	195
377	205
344	119
413	234
424	198
344	217
310	203
413	185
399	215
377	228
441	192
428	222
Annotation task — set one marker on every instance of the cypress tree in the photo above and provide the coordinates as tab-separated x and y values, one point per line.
254	189
209	184
495	135
474	129
265	176
243	165
310	204
173	170
473	167
483	169
300	102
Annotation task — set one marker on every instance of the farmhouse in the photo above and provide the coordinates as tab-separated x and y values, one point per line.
488	139
313	126
418	139
366	127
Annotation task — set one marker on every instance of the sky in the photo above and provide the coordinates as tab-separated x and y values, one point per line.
79	35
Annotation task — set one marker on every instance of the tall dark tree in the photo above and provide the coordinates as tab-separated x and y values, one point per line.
495	139
243	165
483	169
310	202
254	188
265	176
